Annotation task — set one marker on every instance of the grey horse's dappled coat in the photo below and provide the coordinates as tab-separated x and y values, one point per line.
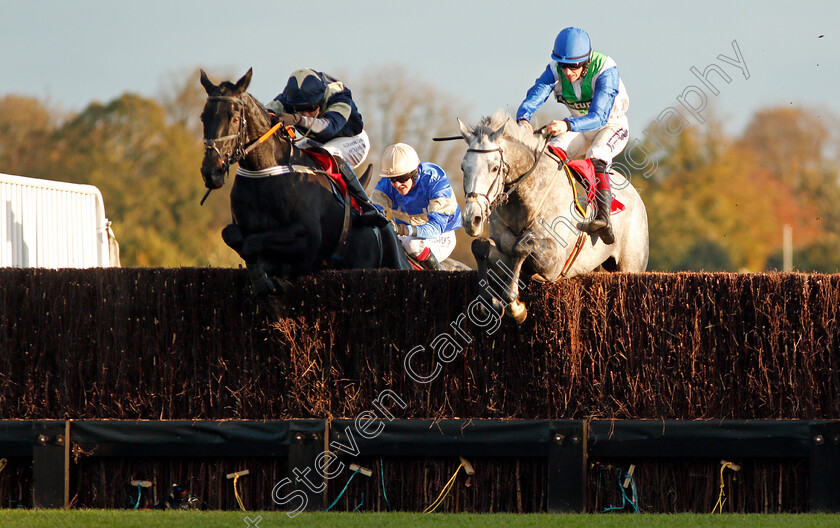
534	232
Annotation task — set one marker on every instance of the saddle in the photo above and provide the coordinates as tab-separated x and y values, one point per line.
581	175
328	163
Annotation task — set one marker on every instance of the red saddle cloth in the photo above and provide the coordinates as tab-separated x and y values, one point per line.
327	162
585	169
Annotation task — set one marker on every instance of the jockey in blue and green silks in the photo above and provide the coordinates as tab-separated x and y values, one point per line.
587	82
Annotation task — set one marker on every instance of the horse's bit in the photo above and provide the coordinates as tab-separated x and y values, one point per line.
238	151
498	182
502	198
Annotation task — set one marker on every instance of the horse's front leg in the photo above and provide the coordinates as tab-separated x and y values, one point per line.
272	257
505	266
505	270
498	275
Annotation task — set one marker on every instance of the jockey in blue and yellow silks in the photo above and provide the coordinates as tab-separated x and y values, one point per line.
420	198
588	83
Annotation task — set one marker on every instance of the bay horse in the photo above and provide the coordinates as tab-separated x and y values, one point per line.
535	215
288	218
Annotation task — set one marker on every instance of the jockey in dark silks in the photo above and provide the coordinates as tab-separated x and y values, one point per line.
587	82
322	110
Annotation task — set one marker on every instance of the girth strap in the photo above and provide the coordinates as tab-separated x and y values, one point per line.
324	181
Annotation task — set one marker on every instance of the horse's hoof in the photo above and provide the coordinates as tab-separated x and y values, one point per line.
495	309
281	286
498	306
517	311
263	287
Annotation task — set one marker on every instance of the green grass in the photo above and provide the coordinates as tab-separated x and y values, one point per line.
184	519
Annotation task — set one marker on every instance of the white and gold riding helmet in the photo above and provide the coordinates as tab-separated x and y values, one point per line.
399	160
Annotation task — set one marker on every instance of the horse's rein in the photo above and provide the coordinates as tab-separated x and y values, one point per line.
238	153
497	182
502	198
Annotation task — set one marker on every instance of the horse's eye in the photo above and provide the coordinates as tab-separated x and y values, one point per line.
495	169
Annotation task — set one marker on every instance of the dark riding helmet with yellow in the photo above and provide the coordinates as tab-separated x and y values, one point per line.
304	91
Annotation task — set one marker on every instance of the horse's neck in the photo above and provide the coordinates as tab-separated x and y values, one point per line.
532	190
275	150
521	160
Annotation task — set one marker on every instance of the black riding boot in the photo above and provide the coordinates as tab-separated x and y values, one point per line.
430	262
600	225
370	212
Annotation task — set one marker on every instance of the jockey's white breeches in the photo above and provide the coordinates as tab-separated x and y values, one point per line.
603	144
353	149
441	247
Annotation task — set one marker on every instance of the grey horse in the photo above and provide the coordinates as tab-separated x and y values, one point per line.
535	216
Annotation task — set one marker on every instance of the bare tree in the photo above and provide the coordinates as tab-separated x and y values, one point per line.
397	107
182	96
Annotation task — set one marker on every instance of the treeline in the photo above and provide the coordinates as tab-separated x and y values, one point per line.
145	165
715	202
720	203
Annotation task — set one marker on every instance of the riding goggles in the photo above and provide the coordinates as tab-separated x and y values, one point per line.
310	107
405	177
571	66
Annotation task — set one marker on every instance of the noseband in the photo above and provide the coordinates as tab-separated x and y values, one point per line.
502	198
238	152
497	185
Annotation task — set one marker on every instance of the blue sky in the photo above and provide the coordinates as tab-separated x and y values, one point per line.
486	52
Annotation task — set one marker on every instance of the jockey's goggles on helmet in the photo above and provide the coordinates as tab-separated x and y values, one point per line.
571	66
405	177
305	107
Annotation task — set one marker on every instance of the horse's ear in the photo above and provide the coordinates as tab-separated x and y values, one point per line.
205	82
495	135
465	131
242	84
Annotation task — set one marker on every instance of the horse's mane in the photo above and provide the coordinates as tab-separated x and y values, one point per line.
489	124
228	88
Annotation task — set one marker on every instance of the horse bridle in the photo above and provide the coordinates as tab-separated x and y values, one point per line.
504	168
498	182
239	151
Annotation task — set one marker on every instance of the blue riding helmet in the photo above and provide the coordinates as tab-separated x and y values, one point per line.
305	90
572	46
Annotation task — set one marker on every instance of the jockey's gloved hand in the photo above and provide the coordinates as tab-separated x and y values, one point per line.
404	230
288	119
542	132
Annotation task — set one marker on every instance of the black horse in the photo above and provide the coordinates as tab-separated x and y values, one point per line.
288	217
